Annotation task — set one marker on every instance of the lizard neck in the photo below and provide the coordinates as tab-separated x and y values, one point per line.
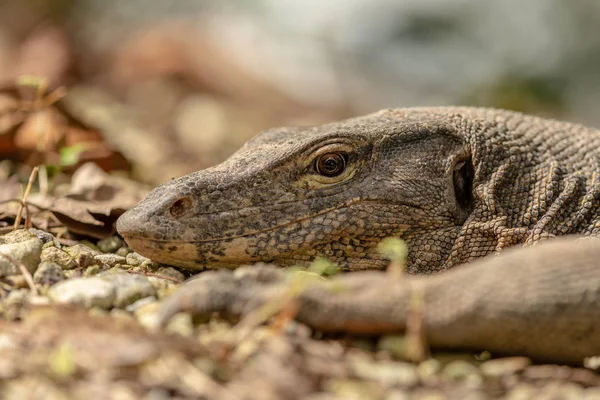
533	181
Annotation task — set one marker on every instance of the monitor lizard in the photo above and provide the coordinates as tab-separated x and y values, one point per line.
457	184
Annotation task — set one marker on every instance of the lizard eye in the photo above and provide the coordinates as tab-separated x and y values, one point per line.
331	164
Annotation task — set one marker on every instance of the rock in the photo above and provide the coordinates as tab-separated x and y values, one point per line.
85	292
72	273
83	255
146	312
560	390
171	272
17	297
163	287
141	303
94	270
48	273
394	344
123	251
504	366
110	244
463	371
128	287
58	256
428	370
44	236
20	235
110	259
388	373
135	260
26	252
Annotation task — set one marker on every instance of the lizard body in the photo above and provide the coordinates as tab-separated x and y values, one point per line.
457	184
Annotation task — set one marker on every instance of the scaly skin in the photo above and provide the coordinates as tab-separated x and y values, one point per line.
539	301
456	184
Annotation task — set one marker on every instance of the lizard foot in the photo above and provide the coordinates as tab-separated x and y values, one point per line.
350	303
231	294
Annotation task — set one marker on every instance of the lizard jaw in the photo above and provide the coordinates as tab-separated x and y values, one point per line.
182	254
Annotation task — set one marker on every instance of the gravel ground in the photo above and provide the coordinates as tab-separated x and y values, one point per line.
80	322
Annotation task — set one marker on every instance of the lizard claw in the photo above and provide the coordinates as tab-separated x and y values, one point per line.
232	294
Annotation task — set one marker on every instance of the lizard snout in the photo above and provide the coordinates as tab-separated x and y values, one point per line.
129	223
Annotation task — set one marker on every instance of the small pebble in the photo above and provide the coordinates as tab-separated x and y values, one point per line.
17	297
123	251
128	287
134	259
463	371
110	244
388	373
428	370
48	273
94	270
27	252
58	256
110	259
85	292
171	273
44	236
83	255
504	366
18	236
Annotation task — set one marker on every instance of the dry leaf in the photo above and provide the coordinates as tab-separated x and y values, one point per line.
94	202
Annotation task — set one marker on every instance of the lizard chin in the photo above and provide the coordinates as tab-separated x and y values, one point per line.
187	254
180	254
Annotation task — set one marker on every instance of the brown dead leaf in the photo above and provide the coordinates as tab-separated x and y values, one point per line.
94	202
42	131
35	126
91	207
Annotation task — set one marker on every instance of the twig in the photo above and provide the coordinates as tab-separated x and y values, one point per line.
28	219
25	195
43	180
417	349
29	203
24	271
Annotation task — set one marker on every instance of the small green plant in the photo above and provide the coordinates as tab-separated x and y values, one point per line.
396	251
62	361
69	155
323	267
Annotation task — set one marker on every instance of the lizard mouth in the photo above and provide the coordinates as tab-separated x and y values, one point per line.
229	250
224	252
141	235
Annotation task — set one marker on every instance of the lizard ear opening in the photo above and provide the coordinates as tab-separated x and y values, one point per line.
463	183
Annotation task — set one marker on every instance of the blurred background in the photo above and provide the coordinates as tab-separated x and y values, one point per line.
163	88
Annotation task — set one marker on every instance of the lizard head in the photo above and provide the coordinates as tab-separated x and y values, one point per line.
334	191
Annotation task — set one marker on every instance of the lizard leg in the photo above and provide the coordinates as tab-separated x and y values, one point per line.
541	301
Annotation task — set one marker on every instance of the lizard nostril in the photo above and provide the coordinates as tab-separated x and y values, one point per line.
181	207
